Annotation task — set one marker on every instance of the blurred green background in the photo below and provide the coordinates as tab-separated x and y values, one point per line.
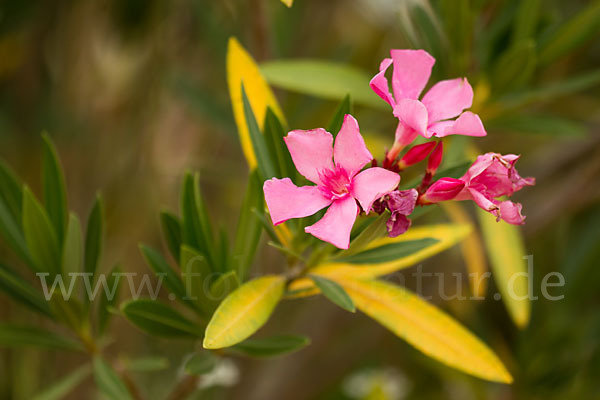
134	92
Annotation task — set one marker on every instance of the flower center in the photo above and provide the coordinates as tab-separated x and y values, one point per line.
335	183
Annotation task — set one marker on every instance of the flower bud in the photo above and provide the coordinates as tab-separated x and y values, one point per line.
416	154
442	190
435	159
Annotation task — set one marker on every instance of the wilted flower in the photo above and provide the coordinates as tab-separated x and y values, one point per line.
401	204
491	176
335	171
433	114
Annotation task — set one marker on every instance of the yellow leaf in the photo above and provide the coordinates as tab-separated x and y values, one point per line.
241	68
243	312
506	250
471	249
447	235
288	2
426	327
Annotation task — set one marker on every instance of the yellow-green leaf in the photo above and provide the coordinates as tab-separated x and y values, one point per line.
241	68
445	235
505	249
243	312
288	2
471	249
426	327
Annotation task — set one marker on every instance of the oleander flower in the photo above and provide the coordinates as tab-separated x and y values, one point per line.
336	171
491	176
434	114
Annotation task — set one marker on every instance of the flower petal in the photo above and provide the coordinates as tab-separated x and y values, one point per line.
413	114
336	224
286	200
373	183
397	224
311	151
511	212
467	124
350	151
380	84
447	99
412	69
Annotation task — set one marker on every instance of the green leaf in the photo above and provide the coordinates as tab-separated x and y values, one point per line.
158	319
264	159
11	193
109	382
21	291
336	122
274	134
196	275
426	327
243	312
94	237
200	363
113	282
69	311
526	21
65	385
40	235
388	252
171	227
224	285
249	226
514	67
571	34
334	292
376	229
146	364
506	252
72	247
196	225
550	125
13	234
271	346
24	336
55	193
161	267
323	79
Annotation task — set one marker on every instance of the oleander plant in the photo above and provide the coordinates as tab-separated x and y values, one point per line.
300	200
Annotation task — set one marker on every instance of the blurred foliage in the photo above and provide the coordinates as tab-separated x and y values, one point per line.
135	92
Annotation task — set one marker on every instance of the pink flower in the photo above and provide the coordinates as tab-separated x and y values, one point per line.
433	114
443	189
339	182
493	175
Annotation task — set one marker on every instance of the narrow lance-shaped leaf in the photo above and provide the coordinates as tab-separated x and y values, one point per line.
506	251
243	312
249	226
264	159
158	319
40	235
109	300
200	363
161	267
21	291
196	225
274	134
109	382
171	227
427	328
94	237
12	335
72	247
345	107
65	385
271	346
242	68
334	292
223	286
13	234
197	277
323	79
526	20
11	192
55	193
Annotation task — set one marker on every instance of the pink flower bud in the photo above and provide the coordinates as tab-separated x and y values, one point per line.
416	154
442	190
435	159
